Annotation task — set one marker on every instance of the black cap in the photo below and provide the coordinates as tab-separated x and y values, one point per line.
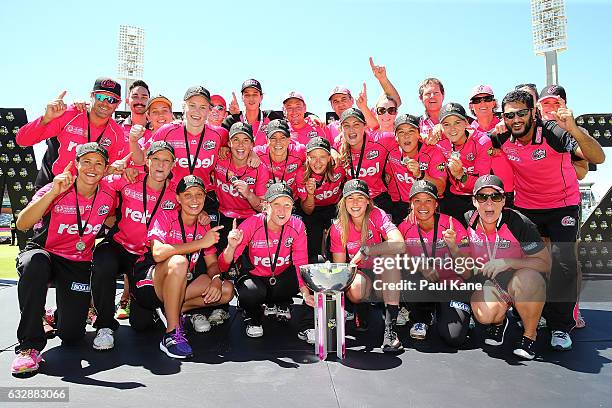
278	125
107	85
240	127
158	146
452	109
278	190
488	180
352	113
406	119
188	182
552	91
318	142
356	186
251	83
91	147
424	186
197	90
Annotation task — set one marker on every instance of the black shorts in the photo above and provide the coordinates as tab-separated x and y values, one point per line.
558	224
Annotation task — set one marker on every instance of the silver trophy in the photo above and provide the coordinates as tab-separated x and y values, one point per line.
328	282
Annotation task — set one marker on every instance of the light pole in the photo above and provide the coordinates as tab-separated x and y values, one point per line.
130	56
549	26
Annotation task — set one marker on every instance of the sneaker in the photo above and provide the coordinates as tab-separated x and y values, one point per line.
218	316
403	317
104	339
91	316
361	321
349	316
200	323
418	331
560	340
283	313
254	330
27	361
270	311
175	345
496	333
541	323
307	335
391	341
472	323
525	348
123	310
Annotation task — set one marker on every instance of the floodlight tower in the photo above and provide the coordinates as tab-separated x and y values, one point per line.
549	33
130	56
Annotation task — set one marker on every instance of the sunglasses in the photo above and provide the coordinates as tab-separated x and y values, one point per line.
218	107
521	114
495	197
391	111
110	99
476	101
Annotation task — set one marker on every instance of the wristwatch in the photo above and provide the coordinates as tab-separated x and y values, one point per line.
365	251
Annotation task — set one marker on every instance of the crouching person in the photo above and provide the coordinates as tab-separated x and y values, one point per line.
180	271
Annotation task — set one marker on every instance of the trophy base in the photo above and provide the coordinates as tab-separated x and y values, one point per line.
329	324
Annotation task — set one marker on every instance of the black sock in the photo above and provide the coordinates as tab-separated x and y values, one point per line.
391	312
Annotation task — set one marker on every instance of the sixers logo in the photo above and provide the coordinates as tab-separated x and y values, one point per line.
568	221
292	167
108	83
336	177
289	242
372	155
103	210
105	142
470	157
538	154
209	145
167	205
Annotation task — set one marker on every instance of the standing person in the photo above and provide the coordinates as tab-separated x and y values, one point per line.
546	191
431	94
71	127
13	232
364	157
135	126
66	215
468	158
139	202
239	187
436	236
282	156
517	262
274	246
340	99
355	236
483	105
302	128
218	110
252	95
159	112
180	270
319	187
411	160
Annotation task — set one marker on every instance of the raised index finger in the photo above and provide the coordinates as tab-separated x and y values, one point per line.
234	99
68	166
234	224
61	95
372	63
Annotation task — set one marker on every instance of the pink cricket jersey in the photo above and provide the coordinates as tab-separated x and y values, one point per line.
476	159
285	170
328	192
499	161
307	132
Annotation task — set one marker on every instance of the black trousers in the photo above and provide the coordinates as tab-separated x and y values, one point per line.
227	223
399	211
38	267
383	201
110	260
316	224
452	319
456	206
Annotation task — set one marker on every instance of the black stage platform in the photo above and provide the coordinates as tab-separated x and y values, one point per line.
278	370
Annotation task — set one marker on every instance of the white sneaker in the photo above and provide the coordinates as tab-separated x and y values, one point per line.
283	313
560	340
403	317
307	335
104	339
270	310
200	323
218	316
254	331
418	331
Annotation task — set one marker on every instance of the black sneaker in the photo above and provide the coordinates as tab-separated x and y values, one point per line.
391	341
525	348
495	333
361	321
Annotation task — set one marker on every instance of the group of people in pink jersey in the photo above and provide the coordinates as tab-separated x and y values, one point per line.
231	202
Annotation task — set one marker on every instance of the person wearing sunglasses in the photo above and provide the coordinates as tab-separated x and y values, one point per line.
302	127
66	126
436	236
483	105
515	262
468	157
546	191
218	110
411	160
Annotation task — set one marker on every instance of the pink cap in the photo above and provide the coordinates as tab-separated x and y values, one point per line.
339	90
482	89
218	100
295	95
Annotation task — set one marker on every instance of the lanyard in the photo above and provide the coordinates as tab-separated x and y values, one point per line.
89	131
80	246
435	238
278	247
495	246
354	176
229	178
195	230
144	200
197	152
284	167
243	119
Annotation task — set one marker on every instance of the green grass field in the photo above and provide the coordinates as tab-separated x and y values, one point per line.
7	261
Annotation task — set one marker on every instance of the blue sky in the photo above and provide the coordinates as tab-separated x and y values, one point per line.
291	46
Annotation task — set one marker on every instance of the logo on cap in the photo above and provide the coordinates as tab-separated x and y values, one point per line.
552	90
108	83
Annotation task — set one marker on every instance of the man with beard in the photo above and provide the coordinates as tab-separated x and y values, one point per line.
546	191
